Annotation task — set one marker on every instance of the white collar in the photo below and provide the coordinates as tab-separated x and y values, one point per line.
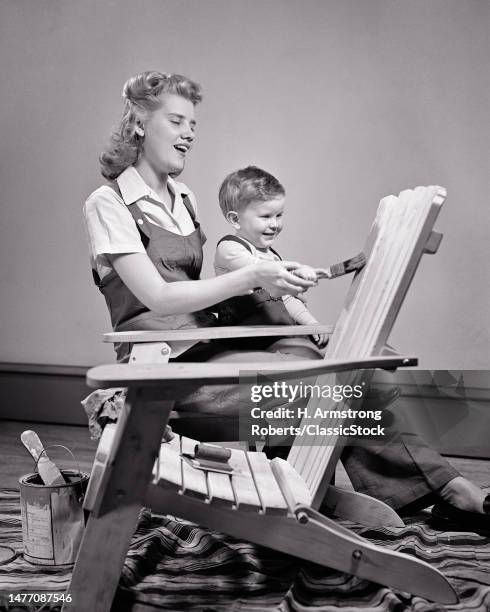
134	188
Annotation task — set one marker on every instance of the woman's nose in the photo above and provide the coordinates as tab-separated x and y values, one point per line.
188	133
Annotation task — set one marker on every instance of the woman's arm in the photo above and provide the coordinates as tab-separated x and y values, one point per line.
138	273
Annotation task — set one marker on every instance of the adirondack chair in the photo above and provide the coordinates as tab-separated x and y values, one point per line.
272	502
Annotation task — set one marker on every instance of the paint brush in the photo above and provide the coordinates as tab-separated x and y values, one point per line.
344	267
48	470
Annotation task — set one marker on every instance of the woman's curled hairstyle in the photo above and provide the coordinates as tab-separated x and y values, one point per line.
141	93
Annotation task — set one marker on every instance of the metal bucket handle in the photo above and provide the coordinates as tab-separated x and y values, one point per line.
43	452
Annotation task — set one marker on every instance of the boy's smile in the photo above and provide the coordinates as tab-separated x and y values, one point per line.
260	222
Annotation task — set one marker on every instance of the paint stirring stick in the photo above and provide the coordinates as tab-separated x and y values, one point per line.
48	470
344	267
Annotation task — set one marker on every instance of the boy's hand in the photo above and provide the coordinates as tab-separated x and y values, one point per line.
323	273
321	340
307	273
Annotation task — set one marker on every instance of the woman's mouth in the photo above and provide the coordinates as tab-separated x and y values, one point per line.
182	149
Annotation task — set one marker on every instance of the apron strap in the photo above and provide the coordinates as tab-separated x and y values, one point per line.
231	238
136	214
243	242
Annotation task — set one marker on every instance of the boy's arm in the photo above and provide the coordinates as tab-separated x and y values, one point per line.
298	310
231	255
300	313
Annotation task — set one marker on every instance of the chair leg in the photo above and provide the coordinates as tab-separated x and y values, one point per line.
312	536
358	556
359	508
111	524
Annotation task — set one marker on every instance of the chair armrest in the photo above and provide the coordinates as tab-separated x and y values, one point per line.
196	374
217	333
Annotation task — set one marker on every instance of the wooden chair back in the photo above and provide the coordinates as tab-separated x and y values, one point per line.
400	235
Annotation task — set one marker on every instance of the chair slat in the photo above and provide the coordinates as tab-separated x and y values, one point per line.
272	499
246	494
293	487
220	489
170	464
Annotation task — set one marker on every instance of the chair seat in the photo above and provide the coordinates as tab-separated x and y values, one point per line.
251	486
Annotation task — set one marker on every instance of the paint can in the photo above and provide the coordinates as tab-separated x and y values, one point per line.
52	517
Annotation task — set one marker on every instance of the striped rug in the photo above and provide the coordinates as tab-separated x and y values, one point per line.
173	565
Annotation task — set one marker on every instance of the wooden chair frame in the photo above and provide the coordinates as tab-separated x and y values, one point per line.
286	517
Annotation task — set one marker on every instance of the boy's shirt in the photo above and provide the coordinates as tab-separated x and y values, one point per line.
231	255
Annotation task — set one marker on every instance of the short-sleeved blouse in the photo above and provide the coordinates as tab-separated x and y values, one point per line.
110	226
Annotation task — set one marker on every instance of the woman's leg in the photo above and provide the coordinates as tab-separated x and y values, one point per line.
400	472
403	471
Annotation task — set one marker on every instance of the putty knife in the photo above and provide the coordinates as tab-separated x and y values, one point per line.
48	470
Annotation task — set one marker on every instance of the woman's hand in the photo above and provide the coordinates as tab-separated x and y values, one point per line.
140	276
307	273
280	278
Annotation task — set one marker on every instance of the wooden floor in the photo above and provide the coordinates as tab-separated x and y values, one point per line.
16	462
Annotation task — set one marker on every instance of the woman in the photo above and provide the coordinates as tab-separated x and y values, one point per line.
146	248
145	239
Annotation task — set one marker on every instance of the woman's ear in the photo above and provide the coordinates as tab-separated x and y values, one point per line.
232	218
139	129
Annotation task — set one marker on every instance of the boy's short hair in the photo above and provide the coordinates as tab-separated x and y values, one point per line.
247	185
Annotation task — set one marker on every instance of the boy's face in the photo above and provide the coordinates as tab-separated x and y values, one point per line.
260	222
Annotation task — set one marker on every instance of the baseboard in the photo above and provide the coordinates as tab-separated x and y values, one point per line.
43	393
449	409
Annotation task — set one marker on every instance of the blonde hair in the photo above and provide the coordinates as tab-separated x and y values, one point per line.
247	185
142	93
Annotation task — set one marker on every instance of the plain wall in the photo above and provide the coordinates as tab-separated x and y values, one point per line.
345	101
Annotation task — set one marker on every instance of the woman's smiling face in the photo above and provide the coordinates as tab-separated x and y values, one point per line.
169	132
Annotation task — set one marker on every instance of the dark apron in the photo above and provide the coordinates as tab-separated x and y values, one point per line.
177	258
